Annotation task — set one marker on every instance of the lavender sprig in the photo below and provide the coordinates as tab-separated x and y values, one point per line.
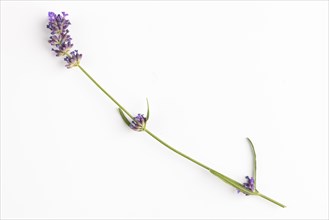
60	40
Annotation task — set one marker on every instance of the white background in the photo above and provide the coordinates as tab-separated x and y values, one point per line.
214	72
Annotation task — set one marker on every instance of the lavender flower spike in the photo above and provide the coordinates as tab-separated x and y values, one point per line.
60	40
139	123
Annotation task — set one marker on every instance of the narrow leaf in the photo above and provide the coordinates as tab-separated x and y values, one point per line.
124	118
254	160
148	110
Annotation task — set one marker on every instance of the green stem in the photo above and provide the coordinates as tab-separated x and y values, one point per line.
271	200
226	179
176	151
219	175
106	93
147	131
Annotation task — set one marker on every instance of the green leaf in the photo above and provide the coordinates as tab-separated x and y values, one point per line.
232	182
148	110
254	160
124	118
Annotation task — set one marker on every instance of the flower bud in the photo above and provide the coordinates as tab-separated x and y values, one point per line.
139	123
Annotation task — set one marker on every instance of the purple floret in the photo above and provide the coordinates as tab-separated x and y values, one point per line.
250	184
139	123
73	59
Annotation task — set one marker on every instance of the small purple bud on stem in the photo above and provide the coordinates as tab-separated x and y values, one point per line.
250	184
139	123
